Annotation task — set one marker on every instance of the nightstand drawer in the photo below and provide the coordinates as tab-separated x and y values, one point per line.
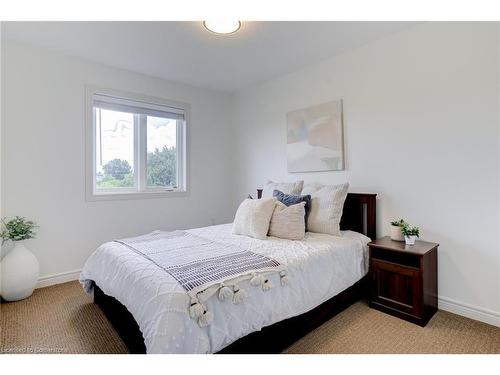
396	286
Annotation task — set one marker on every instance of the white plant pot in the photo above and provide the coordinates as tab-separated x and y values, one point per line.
19	271
396	233
410	240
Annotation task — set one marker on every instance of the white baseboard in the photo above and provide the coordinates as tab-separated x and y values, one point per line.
59	278
469	311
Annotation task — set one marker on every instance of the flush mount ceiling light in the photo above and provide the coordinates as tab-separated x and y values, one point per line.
222	27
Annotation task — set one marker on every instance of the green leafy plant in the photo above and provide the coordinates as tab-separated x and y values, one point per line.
17	229
408	230
117	169
162	167
398	223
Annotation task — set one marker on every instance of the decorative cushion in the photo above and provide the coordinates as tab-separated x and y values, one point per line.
289	199
327	203
286	187
253	217
288	221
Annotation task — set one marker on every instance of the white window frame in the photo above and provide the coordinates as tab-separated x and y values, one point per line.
140	190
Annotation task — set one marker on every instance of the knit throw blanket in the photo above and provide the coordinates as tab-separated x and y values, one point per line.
205	268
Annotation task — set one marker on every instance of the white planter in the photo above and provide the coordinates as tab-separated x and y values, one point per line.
396	233
19	271
410	240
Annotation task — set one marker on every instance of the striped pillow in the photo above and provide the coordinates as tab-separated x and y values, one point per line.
288	221
327	203
289	199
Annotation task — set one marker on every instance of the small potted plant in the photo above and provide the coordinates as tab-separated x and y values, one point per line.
396	233
20	269
410	233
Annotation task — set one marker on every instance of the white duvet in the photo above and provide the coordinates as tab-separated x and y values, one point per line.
319	267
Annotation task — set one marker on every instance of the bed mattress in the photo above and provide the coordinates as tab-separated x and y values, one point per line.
319	267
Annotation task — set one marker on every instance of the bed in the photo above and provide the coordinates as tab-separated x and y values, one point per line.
148	308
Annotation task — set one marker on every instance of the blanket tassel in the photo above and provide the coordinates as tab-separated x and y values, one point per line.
284	278
205	319
256	280
266	285
225	293
196	309
239	295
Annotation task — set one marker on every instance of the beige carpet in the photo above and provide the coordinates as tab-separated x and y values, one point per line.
62	319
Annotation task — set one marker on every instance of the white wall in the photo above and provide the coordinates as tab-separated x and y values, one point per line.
43	157
421	111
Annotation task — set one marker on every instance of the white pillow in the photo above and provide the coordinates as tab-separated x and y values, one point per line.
327	203
286	187
288	221
253	217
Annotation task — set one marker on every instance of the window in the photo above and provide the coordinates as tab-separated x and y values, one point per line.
136	146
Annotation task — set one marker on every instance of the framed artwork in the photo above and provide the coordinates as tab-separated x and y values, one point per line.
315	138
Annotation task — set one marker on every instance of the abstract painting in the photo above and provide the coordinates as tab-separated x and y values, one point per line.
315	139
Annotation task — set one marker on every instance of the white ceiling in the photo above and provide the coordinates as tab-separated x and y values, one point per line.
186	52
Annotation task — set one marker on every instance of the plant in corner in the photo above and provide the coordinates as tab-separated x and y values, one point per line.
396	233
19	267
410	233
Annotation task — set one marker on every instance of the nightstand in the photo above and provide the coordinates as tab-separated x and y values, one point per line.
403	279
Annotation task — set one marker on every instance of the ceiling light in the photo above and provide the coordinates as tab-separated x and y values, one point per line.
222	27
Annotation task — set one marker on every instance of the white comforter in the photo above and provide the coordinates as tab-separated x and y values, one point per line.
319	267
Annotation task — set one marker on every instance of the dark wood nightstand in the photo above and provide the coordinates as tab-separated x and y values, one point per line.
403	279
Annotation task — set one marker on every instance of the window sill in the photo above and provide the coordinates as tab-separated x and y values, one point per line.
93	197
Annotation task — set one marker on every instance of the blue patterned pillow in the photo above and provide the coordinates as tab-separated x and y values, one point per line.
289	199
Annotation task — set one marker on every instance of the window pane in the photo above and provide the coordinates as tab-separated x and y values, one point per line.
161	152
114	149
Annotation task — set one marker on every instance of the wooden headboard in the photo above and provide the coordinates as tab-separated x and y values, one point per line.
359	214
